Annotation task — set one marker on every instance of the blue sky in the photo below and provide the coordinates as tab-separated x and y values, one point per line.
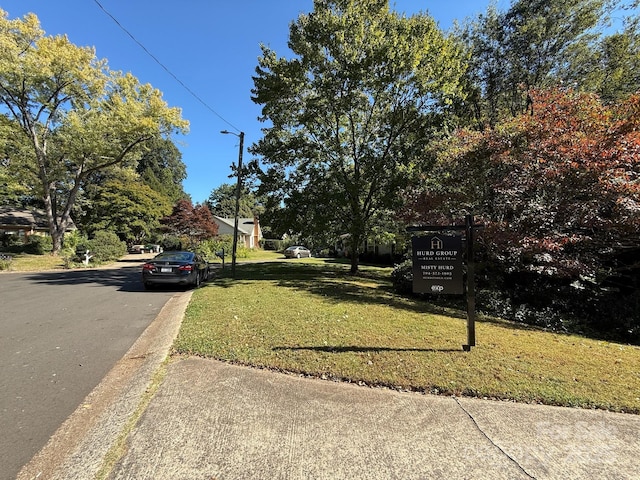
212	47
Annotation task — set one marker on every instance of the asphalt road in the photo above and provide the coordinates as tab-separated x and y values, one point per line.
60	333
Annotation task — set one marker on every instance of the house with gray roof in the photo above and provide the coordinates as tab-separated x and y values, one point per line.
24	222
249	231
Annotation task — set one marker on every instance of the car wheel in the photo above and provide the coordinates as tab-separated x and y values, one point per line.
196	282
298	255
148	286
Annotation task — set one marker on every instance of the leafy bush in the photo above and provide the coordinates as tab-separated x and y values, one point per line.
71	242
36	245
551	303
402	277
171	243
209	248
272	244
12	243
39	245
106	247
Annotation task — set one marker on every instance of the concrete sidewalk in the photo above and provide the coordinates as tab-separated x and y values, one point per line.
211	420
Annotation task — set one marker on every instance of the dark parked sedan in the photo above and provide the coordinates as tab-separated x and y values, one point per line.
178	268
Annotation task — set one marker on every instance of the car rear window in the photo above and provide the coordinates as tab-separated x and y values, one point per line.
175	256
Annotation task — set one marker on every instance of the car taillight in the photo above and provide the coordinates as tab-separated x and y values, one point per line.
185	268
148	267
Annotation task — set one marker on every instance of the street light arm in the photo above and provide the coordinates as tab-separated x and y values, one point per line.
227	132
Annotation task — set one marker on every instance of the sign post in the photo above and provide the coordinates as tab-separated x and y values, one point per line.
471	287
438	266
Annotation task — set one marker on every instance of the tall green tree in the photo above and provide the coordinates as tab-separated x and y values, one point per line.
125	205
12	191
222	202
76	115
534	44
16	183
614	72
350	112
161	167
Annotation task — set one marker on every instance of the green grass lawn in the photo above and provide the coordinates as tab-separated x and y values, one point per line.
246	255
24	262
311	317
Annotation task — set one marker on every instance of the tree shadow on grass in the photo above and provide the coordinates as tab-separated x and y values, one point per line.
356	349
333	282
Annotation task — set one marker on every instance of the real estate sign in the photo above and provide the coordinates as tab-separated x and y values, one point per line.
437	264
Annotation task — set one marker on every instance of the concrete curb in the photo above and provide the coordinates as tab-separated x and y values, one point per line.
78	448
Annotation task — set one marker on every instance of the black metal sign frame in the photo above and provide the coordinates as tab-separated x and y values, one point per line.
468	228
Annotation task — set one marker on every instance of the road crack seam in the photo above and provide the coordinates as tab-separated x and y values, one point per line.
473	420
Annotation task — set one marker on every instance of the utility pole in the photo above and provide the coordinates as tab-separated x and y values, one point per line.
234	249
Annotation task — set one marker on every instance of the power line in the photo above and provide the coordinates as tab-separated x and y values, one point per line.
191	92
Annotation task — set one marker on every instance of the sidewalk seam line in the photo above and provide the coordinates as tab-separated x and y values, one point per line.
473	420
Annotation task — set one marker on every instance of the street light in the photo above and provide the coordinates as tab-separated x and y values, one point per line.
238	189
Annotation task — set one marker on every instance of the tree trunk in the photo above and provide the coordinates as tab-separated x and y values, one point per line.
57	239
56	230
58	221
355	253
354	262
